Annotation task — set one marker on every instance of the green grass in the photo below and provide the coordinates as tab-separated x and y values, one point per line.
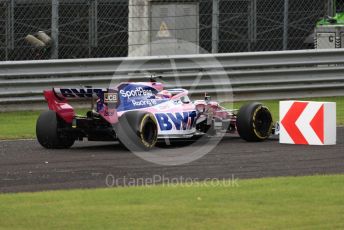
16	125
275	203
20	125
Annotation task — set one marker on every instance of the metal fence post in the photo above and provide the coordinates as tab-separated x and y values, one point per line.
9	30
215	27
285	24
252	23
55	28
331	8
93	26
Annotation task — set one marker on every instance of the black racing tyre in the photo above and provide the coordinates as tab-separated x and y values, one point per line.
137	130
47	134
254	122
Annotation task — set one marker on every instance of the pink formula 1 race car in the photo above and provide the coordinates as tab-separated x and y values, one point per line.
138	114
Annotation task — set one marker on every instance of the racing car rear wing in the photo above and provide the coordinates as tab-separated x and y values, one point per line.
77	93
106	101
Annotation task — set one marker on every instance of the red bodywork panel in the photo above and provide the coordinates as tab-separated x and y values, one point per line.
60	106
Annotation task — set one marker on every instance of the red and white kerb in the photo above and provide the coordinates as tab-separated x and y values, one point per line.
307	123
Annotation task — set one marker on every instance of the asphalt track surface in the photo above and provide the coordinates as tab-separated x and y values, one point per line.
26	166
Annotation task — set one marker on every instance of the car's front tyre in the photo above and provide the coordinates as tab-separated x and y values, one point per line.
254	122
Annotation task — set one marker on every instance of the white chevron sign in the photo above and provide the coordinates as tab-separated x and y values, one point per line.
308	123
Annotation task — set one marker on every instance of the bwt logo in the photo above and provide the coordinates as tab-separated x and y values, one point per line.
181	121
72	93
136	92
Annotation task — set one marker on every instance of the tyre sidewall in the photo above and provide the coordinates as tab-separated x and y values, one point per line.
47	131
130	127
246	122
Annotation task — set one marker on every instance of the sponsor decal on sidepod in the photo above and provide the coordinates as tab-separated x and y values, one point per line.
138	92
179	121
147	102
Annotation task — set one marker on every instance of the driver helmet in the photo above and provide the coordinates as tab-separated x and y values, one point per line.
164	94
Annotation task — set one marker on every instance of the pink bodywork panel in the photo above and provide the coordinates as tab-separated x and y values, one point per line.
214	108
110	115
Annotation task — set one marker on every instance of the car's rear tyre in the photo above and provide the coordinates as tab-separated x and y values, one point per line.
47	133
137	130
254	122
